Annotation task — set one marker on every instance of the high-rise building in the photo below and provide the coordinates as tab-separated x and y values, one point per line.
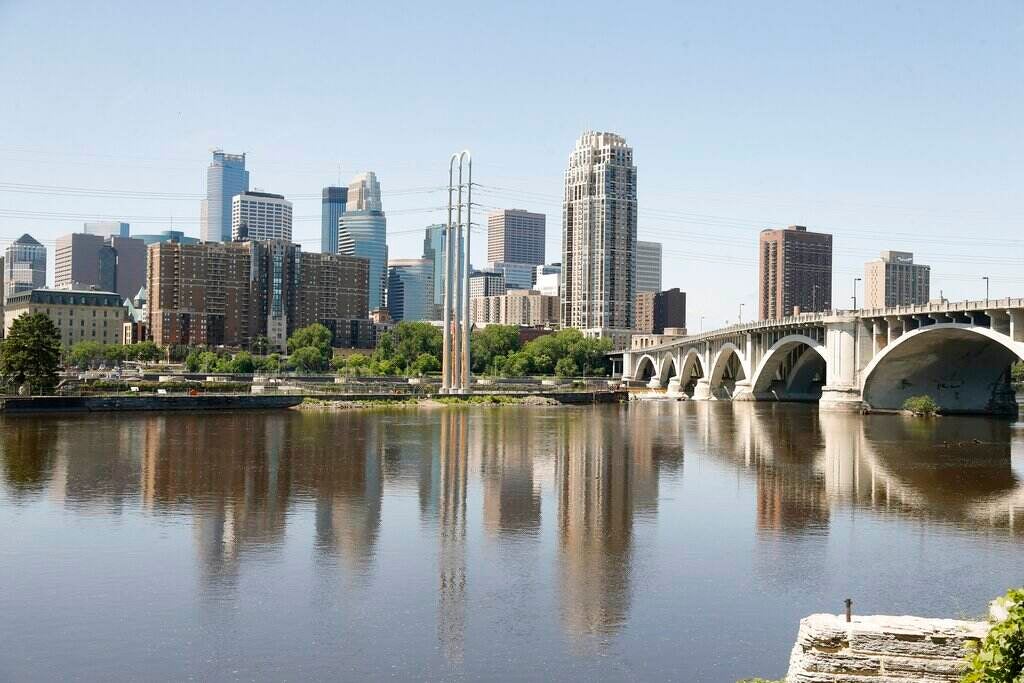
433	250
225	177
515	236
546	279
107	229
166	236
2	297
230	293
517	275
88	261
656	311
486	283
795	272
524	307
410	289
599	236
24	265
332	207
258	216
363	231
895	280
648	266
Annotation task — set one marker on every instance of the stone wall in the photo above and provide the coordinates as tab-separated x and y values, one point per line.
881	649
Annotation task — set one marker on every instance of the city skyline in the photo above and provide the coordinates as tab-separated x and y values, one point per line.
852	158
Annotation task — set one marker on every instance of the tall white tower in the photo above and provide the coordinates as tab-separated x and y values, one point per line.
599	236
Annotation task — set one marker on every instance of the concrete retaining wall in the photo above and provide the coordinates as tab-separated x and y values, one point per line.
88	404
881	649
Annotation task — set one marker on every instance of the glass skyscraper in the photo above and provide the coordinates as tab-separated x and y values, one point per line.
363	231
410	289
331	209
225	177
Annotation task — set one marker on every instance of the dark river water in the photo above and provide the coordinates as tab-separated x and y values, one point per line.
650	541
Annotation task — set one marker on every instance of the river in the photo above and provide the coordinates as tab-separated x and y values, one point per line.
647	541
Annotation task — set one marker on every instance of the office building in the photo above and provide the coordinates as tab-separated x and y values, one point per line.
78	315
648	266
599	237
517	275
410	289
656	311
515	236
434	240
362	231
795	272
523	307
2	290
260	216
895	280
107	229
109	264
225	177
135	327
546	279
213	294
166	236
332	208
486	283
24	265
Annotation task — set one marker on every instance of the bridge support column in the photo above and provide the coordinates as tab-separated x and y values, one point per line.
841	391
702	392
675	387
743	391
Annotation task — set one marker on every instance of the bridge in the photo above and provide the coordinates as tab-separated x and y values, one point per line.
959	353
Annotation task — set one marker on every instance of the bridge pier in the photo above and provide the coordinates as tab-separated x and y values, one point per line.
702	392
841	399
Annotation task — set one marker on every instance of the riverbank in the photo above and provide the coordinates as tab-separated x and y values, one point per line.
34	405
437	401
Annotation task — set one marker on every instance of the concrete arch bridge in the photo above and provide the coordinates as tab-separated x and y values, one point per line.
958	353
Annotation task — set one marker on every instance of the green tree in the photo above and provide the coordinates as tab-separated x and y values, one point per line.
315	335
260	345
147	352
270	364
491	342
193	361
242	364
1017	373
425	363
308	359
566	367
517	364
85	354
1000	657
403	344
114	353
208	361
31	352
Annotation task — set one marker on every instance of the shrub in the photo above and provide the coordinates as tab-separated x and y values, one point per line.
921	405
1018	372
1000	657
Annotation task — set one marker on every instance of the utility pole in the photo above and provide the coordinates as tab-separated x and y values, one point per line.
740	319
985	278
855	281
455	342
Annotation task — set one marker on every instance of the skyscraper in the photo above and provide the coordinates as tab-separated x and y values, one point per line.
332	207
515	236
410	289
225	177
107	228
260	216
599	236
24	265
895	280
362	231
648	266
795	272
433	251
88	261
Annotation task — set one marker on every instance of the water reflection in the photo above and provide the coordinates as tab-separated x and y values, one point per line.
569	494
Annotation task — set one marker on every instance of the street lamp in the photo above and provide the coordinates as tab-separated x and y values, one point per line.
985	278
741	313
814	299
855	281
702	323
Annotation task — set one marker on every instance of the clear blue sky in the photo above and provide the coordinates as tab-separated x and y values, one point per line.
893	125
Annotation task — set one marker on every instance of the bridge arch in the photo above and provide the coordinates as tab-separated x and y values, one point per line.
667	370
646	368
792	369
964	368
691	366
727	369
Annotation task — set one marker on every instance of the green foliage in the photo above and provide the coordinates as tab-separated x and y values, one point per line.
1017	373
269	365
307	359
425	363
315	335
566	367
399	349
491	342
260	345
31	352
922	406
148	387
566	353
242	364
192	361
85	354
90	354
1000	657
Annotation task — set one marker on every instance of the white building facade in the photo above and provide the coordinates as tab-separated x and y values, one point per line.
259	216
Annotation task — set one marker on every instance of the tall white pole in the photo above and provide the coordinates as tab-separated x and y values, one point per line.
465	303
446	316
460	279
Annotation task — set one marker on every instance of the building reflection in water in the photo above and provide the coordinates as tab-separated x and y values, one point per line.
453	468
511	496
606	473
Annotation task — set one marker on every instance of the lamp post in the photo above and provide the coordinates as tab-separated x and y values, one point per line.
740	319
814	299
985	278
702	324
855	281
